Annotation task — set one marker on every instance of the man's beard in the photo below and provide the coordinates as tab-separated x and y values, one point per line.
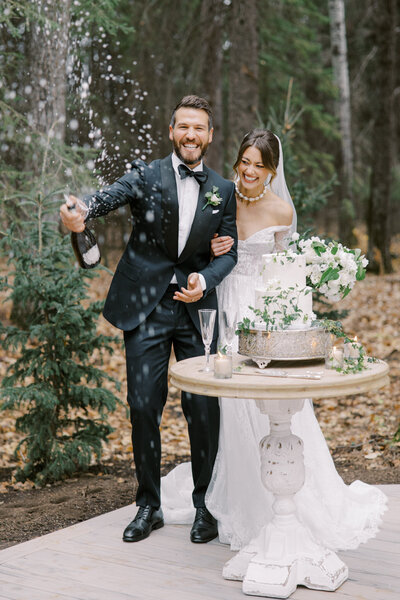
203	150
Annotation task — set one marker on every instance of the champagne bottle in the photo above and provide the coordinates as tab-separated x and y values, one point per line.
85	247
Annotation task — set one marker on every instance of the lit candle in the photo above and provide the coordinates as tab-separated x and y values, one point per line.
222	366
334	358
352	349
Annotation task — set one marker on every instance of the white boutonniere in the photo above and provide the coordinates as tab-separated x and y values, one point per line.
213	198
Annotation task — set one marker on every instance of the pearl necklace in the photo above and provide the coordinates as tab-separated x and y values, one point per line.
249	198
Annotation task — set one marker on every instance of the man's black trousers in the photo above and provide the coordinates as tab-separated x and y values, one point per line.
148	349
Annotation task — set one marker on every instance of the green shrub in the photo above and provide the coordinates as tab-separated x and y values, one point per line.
53	380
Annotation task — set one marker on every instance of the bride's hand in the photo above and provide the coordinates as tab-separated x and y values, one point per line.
221	244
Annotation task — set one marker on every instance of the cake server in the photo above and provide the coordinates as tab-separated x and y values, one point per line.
279	373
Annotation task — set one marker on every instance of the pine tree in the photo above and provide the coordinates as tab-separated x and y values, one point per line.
62	395
308	199
53	381
293	37
243	104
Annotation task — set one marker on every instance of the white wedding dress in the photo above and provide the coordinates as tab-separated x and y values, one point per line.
339	516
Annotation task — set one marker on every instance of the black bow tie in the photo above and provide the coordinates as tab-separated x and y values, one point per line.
200	176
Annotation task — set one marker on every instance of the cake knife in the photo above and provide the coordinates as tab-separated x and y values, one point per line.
279	373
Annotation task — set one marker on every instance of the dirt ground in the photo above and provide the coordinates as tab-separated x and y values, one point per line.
27	512
359	431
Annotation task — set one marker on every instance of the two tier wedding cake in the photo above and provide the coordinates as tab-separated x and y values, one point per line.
284	326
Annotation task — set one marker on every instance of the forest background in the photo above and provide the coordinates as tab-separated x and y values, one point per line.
324	75
85	88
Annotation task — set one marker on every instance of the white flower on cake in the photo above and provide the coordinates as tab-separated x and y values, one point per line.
314	273
332	269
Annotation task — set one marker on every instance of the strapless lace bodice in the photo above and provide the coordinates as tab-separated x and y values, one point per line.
250	251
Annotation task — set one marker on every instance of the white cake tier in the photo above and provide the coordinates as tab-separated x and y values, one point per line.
286	309
287	269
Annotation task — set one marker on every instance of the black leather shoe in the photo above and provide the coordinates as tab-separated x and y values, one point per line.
147	518
204	527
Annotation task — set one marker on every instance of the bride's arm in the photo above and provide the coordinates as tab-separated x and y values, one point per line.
282	239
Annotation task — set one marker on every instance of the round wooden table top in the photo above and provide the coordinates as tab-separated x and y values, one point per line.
188	376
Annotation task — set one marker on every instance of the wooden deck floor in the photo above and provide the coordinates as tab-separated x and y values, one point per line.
89	561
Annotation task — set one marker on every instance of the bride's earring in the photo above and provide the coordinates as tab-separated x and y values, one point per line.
268	180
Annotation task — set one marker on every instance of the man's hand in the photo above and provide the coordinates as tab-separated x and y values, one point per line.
193	293
74	220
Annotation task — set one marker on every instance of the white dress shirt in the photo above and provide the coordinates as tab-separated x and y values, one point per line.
188	192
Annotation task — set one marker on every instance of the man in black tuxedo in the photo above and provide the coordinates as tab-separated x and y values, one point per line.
164	277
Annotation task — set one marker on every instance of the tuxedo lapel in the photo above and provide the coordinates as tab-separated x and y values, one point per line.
200	221
170	209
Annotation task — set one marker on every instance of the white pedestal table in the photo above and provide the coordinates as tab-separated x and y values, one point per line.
284	554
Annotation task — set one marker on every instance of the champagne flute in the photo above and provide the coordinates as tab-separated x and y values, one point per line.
229	323
207	322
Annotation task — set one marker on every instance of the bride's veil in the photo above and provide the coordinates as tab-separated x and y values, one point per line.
279	187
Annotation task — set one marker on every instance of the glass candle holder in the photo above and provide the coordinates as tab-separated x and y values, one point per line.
223	366
334	358
352	350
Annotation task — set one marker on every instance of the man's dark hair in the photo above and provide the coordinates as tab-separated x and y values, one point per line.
193	102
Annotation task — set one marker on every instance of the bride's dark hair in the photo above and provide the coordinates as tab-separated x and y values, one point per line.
267	143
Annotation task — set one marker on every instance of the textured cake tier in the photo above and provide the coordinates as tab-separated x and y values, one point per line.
286	269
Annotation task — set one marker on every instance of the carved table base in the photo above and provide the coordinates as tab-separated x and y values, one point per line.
284	553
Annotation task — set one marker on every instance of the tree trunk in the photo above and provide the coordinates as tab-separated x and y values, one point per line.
48	47
341	79
243	73
213	14
383	24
